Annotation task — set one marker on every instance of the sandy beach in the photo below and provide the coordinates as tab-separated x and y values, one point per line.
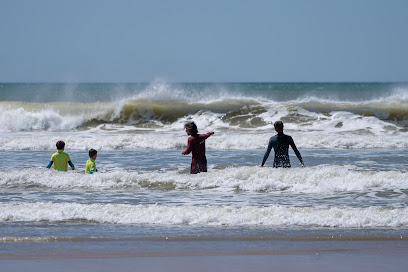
275	255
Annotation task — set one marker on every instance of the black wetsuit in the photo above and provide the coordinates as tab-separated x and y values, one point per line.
280	143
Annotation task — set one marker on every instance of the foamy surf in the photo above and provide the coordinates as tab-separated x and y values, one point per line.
104	139
352	138
274	215
325	180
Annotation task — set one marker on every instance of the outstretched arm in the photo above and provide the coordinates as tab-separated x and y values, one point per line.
49	164
208	134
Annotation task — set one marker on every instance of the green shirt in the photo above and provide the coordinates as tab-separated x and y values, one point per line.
90	166
60	159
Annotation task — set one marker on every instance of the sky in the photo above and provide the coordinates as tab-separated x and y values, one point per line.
204	41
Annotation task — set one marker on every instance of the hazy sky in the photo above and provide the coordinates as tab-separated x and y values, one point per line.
205	41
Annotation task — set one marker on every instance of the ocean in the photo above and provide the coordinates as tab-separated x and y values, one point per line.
353	138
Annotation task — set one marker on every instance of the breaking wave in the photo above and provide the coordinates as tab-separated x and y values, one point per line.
249	113
320	179
274	215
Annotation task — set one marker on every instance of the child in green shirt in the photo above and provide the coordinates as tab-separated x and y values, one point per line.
90	166
60	158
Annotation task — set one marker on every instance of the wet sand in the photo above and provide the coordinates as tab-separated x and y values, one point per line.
378	255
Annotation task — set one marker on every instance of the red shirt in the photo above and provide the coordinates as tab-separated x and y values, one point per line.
196	145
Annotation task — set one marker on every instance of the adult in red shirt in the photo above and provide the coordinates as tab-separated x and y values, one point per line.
196	145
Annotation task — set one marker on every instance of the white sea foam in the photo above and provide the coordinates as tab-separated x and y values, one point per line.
20	119
274	215
312	180
17	116
219	141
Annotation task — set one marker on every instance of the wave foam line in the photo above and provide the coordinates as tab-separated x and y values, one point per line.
334	237
222	141
320	179
342	217
20	116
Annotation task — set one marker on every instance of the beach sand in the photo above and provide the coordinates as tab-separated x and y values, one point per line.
373	255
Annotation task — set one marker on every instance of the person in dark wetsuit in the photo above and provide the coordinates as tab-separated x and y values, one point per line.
280	144
196	145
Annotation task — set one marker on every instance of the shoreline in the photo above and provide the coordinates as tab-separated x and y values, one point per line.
378	255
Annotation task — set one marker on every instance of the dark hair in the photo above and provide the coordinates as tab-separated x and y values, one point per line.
278	126
92	152
60	145
192	127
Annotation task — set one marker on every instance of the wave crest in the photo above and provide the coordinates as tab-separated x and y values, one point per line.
226	113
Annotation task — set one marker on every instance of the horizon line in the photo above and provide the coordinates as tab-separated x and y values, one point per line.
203	82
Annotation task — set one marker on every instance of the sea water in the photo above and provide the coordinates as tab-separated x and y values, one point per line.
353	138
